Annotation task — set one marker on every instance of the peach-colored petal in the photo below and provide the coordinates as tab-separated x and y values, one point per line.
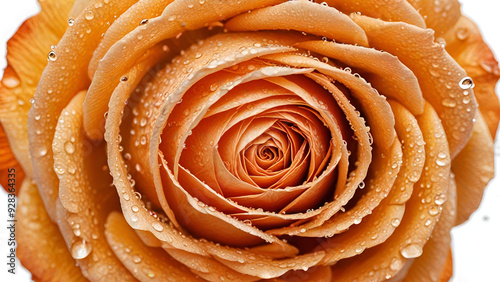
374	106
26	58
11	172
466	45
208	268
443	88
307	16
447	272
86	195
390	210
138	14
121	56
404	87
315	274
429	266
439	15
48	259
64	76
422	212
473	168
392	10
142	261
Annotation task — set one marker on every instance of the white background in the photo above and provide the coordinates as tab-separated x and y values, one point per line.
475	244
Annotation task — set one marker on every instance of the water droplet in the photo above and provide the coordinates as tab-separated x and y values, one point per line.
71	21
80	249
396	264
157	226
433	210
411	251
52	56
42	152
462	33
466	83
449	103
89	15
395	222
69	147
149	272
214	86
441	162
428	222
440	199
123	78
10	82
135	208
71	168
137	259
143	22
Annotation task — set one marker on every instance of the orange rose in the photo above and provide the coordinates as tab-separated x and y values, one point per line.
246	140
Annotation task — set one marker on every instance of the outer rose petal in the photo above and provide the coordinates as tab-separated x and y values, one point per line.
142	261
428	60
61	80
7	162
85	195
473	168
26	58
466	45
119	54
48	259
433	261
439	15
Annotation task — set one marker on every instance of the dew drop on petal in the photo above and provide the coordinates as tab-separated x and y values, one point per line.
433	210
80	249
395	222
10	82
71	21
396	264
466	83
157	226
69	147
89	15
440	199
411	251
52	56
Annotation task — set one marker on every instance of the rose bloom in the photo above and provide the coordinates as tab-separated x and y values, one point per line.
246	140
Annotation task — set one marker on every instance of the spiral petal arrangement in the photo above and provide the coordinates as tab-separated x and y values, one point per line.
246	140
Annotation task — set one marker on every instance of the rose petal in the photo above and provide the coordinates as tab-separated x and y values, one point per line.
308	17
128	21
9	167
142	261
57	86
439	15
404	87
391	208
26	58
375	107
466	45
86	195
392	11
473	168
122	55
429	266
423	56
422	212
35	225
